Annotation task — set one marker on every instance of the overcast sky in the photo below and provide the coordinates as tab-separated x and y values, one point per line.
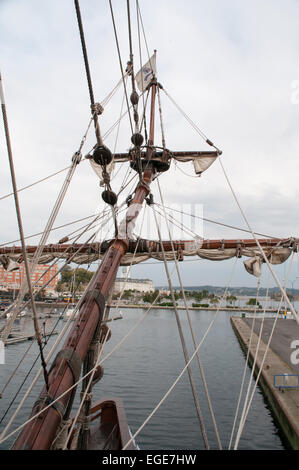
232	66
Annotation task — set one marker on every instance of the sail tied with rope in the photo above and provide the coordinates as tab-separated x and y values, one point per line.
277	251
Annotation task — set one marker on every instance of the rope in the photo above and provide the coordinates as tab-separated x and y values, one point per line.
245	366
218	223
184	369
172	220
48	357
28	351
120	63
195	127
143	120
54	228
51	353
192	384
161	119
87	387
3	438
295	315
21	231
30	370
14	372
108	132
184	173
130	266
61	434
56	274
106	100
242	423
116	138
88	75
103	102
64	225
86	390
172	261
32	384
144	35
36	182
140	62
14	307
135	106
191	327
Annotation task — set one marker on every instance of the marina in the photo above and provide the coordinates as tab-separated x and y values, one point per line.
156	342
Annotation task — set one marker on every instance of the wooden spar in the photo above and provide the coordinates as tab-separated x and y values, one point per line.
184	155
66	368
144	246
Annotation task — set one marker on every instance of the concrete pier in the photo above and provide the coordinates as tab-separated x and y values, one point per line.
182	307
284	402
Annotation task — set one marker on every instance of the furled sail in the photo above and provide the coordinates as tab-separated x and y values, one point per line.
202	160
277	252
99	171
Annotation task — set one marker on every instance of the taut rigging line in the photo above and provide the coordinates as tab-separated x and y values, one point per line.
88	75
20	224
191	327
120	63
183	343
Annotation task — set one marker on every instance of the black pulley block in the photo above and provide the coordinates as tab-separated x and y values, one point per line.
134	98
109	197
137	139
102	155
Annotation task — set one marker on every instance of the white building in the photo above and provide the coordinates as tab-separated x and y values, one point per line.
141	285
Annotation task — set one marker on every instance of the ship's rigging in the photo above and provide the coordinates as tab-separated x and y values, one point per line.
83	347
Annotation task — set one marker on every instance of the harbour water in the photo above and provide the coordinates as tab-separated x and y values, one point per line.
143	368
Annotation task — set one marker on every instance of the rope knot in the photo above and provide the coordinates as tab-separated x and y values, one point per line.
97	108
129	68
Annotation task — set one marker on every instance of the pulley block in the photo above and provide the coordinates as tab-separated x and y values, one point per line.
137	139
109	197
134	98
102	155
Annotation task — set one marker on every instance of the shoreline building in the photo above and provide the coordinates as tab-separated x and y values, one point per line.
126	283
10	280
140	285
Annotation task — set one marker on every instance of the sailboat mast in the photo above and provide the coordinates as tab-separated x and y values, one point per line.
66	369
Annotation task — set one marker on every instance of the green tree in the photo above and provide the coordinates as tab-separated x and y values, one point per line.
231	299
253	301
150	296
77	276
66	274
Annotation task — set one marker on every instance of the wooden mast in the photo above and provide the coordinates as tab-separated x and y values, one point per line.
66	368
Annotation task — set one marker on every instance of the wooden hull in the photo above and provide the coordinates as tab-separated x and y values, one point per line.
111	431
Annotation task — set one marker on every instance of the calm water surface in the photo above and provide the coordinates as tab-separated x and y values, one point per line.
143	369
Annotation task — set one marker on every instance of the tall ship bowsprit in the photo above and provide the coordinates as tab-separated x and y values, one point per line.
71	370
